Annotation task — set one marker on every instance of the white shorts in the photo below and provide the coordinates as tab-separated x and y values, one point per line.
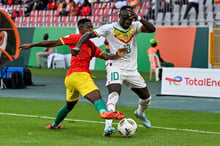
131	78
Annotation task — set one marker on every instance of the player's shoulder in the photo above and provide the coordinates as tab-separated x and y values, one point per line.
72	35
109	25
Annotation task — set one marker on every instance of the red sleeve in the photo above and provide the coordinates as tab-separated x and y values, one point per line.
97	52
70	39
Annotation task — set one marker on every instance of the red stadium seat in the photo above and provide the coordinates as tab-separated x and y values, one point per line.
107	11
34	13
40	21
48	21
97	19
97	12
56	21
49	13
65	21
18	21
41	13
25	22
97	5
90	17
32	21
72	19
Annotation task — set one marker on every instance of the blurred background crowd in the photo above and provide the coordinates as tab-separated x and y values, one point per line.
160	12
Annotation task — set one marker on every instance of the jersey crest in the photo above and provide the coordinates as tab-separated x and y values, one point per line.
124	36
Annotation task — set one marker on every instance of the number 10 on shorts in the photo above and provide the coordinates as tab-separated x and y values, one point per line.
114	76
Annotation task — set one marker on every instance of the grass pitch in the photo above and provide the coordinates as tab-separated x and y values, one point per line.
23	123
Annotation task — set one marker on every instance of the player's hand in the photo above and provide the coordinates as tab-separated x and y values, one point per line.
121	51
76	51
132	14
25	46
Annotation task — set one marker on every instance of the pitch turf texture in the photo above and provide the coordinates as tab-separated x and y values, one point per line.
23	122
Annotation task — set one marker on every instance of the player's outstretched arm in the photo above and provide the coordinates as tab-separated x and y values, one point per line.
52	43
119	53
76	51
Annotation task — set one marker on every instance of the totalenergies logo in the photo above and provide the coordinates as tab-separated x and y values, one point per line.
174	81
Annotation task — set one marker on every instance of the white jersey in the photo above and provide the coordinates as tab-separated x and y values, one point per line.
120	38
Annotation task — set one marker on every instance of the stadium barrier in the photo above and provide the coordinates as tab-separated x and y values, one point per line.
191	82
184	46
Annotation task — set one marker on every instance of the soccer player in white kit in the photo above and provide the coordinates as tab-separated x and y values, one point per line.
122	34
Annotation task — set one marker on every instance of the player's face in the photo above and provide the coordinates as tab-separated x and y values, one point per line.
86	27
125	21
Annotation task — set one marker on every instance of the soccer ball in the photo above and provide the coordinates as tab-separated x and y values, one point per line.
127	127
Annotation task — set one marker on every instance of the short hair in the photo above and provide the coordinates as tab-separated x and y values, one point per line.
125	7
83	21
154	45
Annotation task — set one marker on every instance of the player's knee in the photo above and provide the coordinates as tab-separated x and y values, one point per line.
143	93
114	88
70	105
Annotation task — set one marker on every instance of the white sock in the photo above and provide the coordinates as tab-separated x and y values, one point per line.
111	103
143	105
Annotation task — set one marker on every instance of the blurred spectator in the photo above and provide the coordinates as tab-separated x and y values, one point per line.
151	10
20	2
28	7
76	9
8	9
204	2
119	4
10	2
93	1
191	4
181	2
167	6
45	2
38	5
86	8
18	11
135	4
70	5
47	51
64	11
51	5
155	50
59	5
63	8
79	2
13	14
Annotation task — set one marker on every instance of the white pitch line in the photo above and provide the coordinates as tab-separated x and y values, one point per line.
99	122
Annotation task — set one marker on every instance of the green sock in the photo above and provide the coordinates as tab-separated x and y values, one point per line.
100	106
60	116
